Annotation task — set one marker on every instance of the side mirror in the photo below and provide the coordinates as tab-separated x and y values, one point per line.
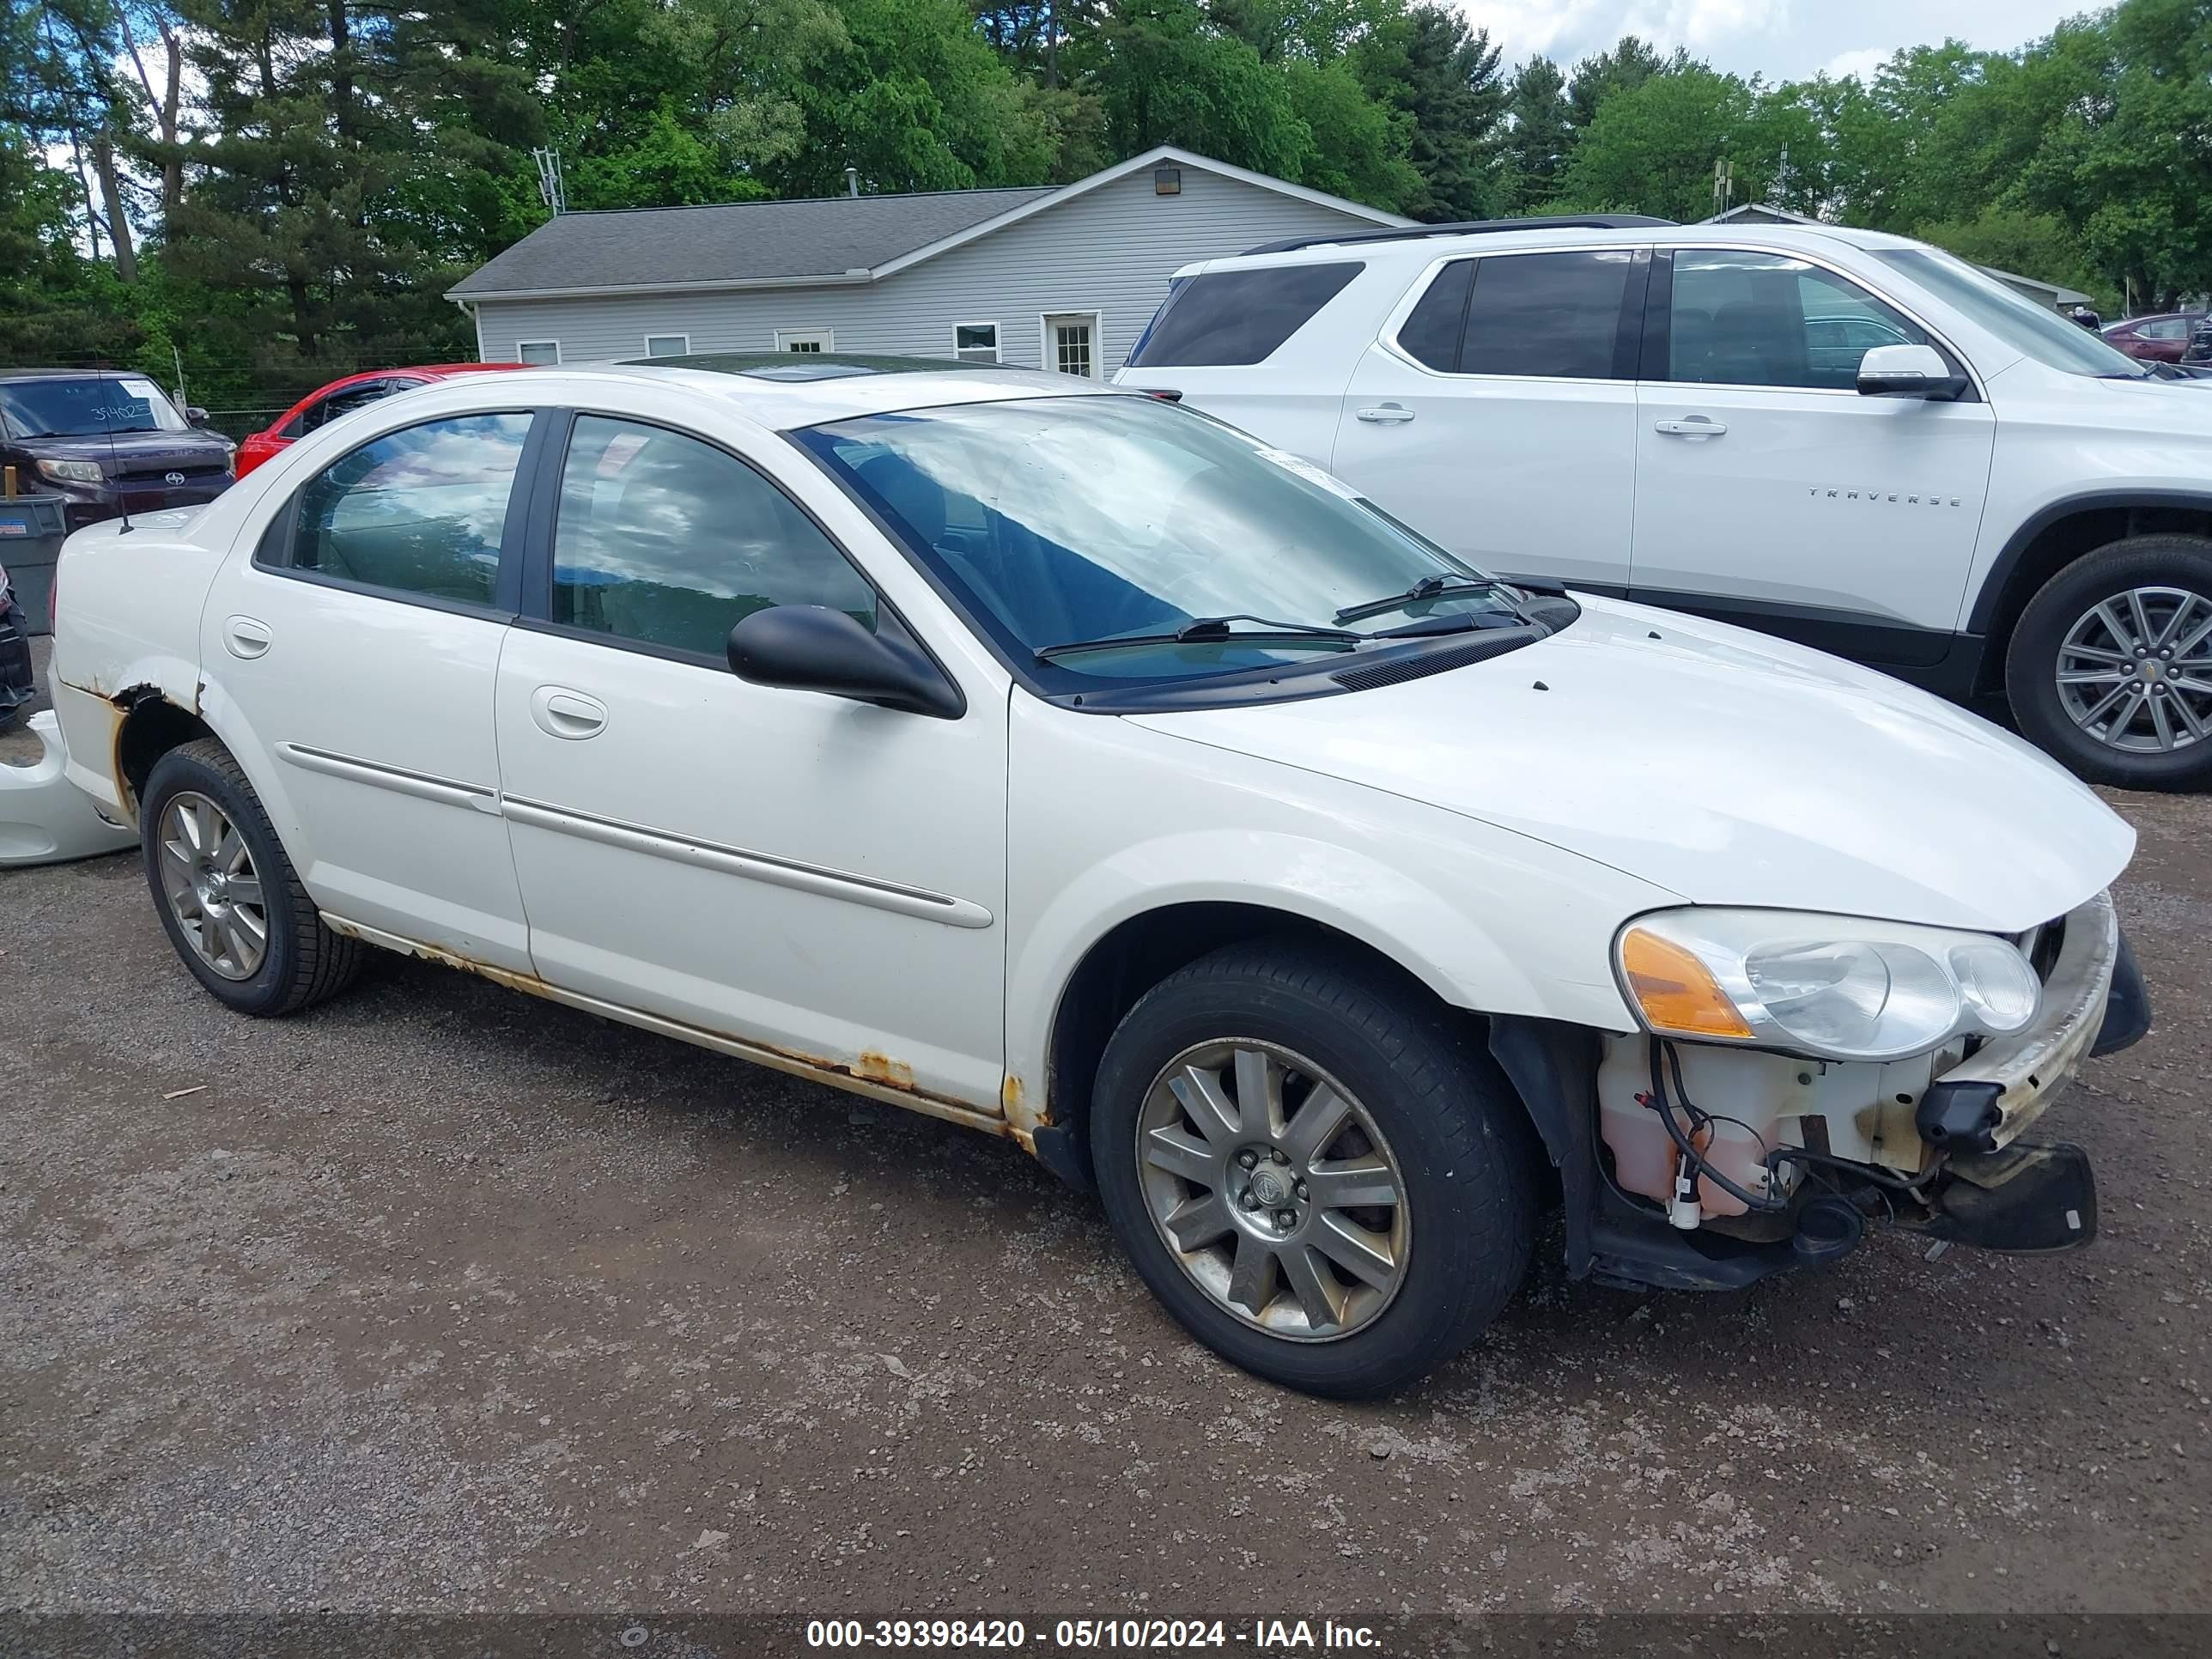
1908	371
811	648
195	416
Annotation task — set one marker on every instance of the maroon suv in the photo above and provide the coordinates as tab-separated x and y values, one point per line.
2157	339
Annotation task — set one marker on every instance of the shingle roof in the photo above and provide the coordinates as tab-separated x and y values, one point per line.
742	242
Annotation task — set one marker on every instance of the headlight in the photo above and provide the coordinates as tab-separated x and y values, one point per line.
1835	988
72	472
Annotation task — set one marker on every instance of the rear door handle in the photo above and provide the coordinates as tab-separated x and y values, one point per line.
244	636
560	713
1384	414
1694	426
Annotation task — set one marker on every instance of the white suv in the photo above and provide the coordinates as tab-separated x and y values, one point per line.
1075	767
1846	438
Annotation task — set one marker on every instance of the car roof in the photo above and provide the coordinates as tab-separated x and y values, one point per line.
786	390
1418	248
8	376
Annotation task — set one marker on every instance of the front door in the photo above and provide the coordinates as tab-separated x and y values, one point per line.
1768	492
359	645
801	873
1497	415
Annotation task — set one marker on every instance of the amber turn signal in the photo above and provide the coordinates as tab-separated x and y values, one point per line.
1676	993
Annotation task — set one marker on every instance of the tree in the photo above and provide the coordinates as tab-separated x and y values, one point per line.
1601	76
1165	77
1542	134
1651	149
1443	78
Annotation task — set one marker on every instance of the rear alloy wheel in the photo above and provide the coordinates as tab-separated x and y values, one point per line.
2111	666
1315	1166
229	899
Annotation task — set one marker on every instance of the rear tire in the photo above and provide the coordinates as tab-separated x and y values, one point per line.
2124	714
1384	1246
226	893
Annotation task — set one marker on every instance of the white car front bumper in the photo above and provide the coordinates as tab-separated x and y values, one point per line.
46	819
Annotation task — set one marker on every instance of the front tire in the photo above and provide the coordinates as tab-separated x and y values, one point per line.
2110	668
1321	1175
227	895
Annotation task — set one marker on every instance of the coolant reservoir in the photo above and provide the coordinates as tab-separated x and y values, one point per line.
1748	1092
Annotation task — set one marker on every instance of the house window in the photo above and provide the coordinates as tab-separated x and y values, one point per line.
541	353
975	343
804	340
668	345
1071	343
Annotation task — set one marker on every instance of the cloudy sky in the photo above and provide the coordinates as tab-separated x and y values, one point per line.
1788	40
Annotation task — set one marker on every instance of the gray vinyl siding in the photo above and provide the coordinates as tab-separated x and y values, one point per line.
1110	250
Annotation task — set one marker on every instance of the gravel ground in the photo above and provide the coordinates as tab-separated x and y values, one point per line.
441	1297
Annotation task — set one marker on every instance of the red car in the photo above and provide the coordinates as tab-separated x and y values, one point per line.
338	397
2158	339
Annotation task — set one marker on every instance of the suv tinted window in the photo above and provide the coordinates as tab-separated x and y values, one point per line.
1743	319
1237	317
420	511
1556	315
1431	331
669	541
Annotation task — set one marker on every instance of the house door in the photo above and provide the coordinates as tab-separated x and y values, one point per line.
1071	344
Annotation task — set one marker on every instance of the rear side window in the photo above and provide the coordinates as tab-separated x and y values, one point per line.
1232	318
418	512
1550	315
1431	332
667	541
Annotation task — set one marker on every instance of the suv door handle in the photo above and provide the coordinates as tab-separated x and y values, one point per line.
1694	426
1385	414
560	712
244	636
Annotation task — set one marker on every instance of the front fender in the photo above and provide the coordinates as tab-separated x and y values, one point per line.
1489	920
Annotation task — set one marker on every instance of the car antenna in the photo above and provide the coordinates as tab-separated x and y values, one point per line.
115	468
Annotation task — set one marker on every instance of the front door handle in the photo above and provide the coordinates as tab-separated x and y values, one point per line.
1694	426
244	636
562	713
1384	414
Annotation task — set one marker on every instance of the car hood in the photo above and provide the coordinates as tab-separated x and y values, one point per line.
137	452
1727	767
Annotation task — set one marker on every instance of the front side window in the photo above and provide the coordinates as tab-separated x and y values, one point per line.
420	512
2026	327
1737	318
1117	524
86	406
665	540
1554	316
1234	318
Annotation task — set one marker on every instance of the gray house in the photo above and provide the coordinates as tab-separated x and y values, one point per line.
1064	278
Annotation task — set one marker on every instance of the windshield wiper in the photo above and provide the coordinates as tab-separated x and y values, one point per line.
1429	587
1207	629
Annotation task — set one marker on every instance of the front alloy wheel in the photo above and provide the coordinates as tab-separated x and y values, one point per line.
1314	1164
1274	1188
213	888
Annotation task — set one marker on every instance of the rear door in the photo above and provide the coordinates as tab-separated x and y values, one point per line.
1768	492
359	644
1497	412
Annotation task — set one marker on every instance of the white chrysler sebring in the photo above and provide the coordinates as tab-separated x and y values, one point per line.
1064	763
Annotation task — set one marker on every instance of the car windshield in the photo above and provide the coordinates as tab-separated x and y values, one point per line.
2027	327
82	408
1072	521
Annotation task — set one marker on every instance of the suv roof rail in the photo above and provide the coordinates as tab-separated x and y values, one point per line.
1472	227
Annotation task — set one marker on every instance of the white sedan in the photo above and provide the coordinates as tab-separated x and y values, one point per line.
1069	765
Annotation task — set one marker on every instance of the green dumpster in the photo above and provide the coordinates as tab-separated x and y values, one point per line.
31	532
